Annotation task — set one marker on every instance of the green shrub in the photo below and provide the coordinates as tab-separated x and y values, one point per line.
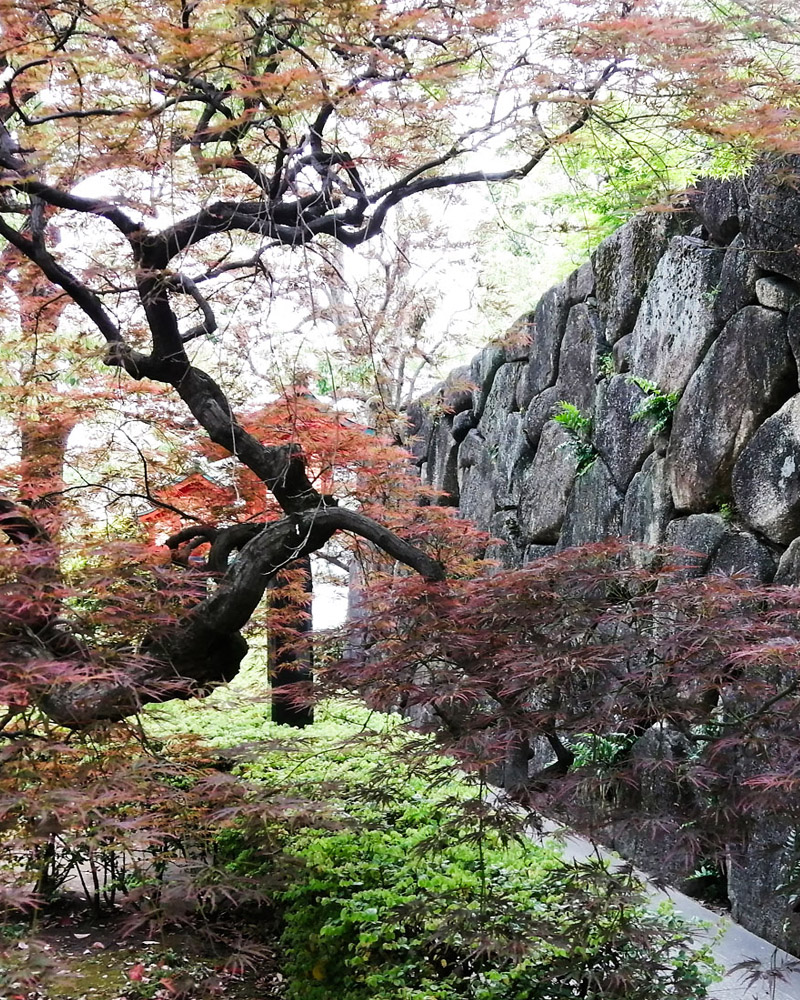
406	887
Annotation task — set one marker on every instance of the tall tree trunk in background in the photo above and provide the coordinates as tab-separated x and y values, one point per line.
290	654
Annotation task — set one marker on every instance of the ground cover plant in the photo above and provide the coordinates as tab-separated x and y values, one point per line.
416	887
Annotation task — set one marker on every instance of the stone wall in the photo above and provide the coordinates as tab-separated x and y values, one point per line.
704	303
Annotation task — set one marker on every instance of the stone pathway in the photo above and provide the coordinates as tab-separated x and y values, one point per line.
733	943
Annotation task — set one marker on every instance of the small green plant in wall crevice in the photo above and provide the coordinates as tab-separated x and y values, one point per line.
579	429
657	406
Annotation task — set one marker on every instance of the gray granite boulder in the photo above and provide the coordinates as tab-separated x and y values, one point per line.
766	477
742	554
500	401
534	552
578	359
476	481
549	321
718	204
737	281
624	264
441	467
594	508
483	369
747	373
463	423
546	485
510	455
771	214
621	441
509	546
541	409
648	508
677	320
777	293
698	537
788	572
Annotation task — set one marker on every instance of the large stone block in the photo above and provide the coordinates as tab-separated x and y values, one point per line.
766	477
500	401
622	441
747	373
770	214
509	547
483	369
697	537
476	481
788	572
577	363
624	264
594	508
510	455
546	485
717	204
441	467
677	320
742	554
549	322
648	508
755	875
540	410
737	281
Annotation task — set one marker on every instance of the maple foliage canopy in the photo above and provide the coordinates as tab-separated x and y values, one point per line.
154	154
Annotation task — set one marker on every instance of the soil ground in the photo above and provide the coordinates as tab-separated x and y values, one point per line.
74	955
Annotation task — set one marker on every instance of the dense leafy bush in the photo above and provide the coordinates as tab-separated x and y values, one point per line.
410	887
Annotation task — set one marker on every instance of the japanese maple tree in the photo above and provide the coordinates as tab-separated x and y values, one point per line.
156	155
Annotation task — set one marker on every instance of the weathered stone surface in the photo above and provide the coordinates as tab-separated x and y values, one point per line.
771	214
698	536
621	353
441	467
510	456
753	878
623	265
577	364
462	424
788	572
550	318
775	293
534	552
747	373
539	411
509	548
475	481
456	391
419	428
594	508
500	401
483	369
740	553
766	478
546	485
677	320
581	283
622	442
517	341
717	205
648	508
737	281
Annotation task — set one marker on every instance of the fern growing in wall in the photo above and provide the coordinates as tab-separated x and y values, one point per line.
579	429
657	406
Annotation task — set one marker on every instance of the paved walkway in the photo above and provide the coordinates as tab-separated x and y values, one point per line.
734	944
